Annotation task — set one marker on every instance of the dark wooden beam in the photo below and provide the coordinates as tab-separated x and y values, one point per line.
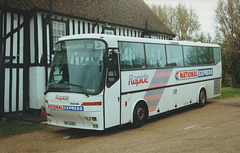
2	74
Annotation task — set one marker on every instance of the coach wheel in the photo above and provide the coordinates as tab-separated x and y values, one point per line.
202	98
140	115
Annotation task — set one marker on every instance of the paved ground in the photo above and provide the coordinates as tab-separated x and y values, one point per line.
214	128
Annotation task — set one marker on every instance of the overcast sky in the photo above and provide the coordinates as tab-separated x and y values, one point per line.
205	9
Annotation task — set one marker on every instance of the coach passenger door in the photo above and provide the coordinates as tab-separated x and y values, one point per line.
112	91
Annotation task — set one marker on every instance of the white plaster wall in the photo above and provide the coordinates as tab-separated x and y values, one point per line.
37	87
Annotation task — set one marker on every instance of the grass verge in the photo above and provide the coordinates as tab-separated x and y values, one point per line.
13	128
228	92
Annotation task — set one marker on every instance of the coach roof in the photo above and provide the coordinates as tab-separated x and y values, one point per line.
113	40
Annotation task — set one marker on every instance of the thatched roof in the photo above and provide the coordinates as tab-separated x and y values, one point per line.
130	13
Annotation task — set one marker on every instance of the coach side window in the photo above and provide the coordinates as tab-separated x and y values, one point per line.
217	55
132	55
211	55
203	55
155	55
174	55
190	55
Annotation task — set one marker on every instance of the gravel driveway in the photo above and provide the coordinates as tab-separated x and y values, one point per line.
213	128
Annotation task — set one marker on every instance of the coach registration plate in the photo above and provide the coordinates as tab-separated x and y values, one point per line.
70	123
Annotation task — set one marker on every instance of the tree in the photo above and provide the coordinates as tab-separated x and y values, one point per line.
167	15
203	38
182	21
228	35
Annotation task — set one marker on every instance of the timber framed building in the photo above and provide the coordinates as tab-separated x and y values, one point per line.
29	30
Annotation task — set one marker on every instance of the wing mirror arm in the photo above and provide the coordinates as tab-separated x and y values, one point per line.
109	58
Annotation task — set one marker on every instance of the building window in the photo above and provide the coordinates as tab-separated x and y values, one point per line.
109	32
59	30
154	37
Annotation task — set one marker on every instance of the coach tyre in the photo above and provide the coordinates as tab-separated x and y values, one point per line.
140	115
202	98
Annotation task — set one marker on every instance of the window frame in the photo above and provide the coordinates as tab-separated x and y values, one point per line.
52	35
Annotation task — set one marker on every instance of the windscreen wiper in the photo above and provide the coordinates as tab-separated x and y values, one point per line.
76	85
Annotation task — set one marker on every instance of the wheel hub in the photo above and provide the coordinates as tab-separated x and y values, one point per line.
140	113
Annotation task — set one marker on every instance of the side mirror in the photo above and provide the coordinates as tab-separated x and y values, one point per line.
109	59
113	50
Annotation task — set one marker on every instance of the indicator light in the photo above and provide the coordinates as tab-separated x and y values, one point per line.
95	125
91	104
